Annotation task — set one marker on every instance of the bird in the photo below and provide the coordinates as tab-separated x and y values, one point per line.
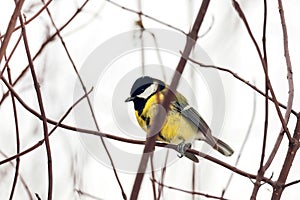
183	124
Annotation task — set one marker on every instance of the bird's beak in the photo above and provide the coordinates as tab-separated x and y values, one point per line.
129	99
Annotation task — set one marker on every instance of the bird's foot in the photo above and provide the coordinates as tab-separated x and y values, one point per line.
182	148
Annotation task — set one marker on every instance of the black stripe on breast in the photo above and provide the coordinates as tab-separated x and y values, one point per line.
146	119
162	137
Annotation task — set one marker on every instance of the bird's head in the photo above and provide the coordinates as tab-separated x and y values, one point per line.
142	89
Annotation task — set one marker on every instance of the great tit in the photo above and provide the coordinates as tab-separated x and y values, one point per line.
183	123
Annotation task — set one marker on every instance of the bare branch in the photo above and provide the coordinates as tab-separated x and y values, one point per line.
114	137
243	17
261	169
163	174
235	75
32	18
10	28
147	16
41	106
290	155
243	144
291	183
81	193
29	193
160	116
51	38
17	135
189	192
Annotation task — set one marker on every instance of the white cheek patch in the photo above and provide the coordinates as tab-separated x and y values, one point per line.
148	91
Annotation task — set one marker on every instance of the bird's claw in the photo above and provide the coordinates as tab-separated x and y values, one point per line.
182	148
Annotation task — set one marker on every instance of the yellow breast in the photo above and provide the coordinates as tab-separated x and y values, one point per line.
176	128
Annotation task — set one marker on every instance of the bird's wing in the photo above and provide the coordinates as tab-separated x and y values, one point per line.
188	112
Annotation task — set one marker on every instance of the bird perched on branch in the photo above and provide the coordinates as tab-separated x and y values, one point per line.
183	124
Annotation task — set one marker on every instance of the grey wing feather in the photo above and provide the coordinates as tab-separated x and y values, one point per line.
192	115
188	112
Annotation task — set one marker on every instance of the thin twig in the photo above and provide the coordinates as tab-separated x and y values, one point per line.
10	55
88	100
17	136
10	28
291	183
261	169
160	116
290	156
163	175
235	75
153	176
243	144
193	180
81	193
57	124
42	110
189	192
243	17
48	40
288	63
140	24
291	87
23	182
117	138
15	118
31	18
147	16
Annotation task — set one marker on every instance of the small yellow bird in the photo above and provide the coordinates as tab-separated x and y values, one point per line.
183	123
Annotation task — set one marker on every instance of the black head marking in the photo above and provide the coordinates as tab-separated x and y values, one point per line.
139	86
144	82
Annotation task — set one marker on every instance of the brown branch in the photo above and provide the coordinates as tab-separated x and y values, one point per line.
291	183
10	28
57	124
261	170
288	63
147	16
15	118
48	40
21	178
291	91
81	193
189	192
37	196
17	136
243	144
163	174
193	180
266	86
31	18
42	110
10	55
153	176
235	75
121	139
243	17
290	155
294	145
160	115
88	100
291	87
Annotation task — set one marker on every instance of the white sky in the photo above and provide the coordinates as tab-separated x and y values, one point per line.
227	44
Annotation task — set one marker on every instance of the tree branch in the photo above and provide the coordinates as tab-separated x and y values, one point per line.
41	106
160	115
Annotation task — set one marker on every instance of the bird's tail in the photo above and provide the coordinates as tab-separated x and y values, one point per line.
222	147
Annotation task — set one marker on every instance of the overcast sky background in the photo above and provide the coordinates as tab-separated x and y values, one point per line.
227	44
